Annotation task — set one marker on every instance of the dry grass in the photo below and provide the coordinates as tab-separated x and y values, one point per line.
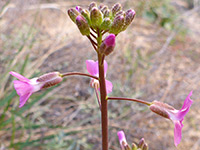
149	62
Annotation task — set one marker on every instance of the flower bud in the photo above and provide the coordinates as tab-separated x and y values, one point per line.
79	9
93	4
104	8
161	109
49	79
116	8
106	13
121	12
141	143
73	13
101	6
105	24
96	17
108	45
86	14
117	24
125	146
145	147
134	147
130	14
83	25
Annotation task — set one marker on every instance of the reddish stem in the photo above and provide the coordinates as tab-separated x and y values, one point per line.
78	73
104	105
129	99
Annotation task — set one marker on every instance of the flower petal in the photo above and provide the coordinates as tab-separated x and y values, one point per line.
187	102
22	88
92	67
23	99
109	86
19	76
177	132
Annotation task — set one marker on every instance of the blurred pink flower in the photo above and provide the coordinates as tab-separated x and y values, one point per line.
93	69
177	116
26	87
122	139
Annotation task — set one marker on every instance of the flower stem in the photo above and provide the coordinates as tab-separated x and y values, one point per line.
97	95
78	73
104	105
129	99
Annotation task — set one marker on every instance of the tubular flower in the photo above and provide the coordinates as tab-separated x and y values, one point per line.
122	139
176	116
92	68
26	87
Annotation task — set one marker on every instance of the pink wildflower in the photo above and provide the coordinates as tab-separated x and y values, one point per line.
177	116
122	139
93	69
26	87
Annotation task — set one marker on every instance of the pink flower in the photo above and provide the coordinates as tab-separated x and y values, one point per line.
122	139
93	69
25	87
177	116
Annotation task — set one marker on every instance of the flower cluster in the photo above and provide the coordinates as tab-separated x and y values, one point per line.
113	20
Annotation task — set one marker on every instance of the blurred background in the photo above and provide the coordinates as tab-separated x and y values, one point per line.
156	58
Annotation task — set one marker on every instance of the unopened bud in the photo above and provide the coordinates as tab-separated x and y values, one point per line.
161	109
134	147
130	14
125	146
104	8
141	143
121	12
93	4
101	6
79	9
106	13
49	79
105	24
145	147
83	25
108	45
73	13
96	17
117	24
116	8
86	14
122	139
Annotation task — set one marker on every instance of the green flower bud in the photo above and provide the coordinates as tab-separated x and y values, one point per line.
96	17
145	147
86	14
93	4
73	13
116	8
82	24
106	24
134	147
117	24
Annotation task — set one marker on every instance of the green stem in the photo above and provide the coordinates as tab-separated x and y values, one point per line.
129	99
78	73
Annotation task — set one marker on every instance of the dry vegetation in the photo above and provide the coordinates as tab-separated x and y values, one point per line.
149	62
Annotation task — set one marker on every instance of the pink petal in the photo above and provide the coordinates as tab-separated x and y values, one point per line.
23	99
177	132
92	67
187	102
22	88
109	86
121	137
19	76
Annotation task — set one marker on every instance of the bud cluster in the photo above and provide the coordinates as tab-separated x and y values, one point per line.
113	20
142	145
